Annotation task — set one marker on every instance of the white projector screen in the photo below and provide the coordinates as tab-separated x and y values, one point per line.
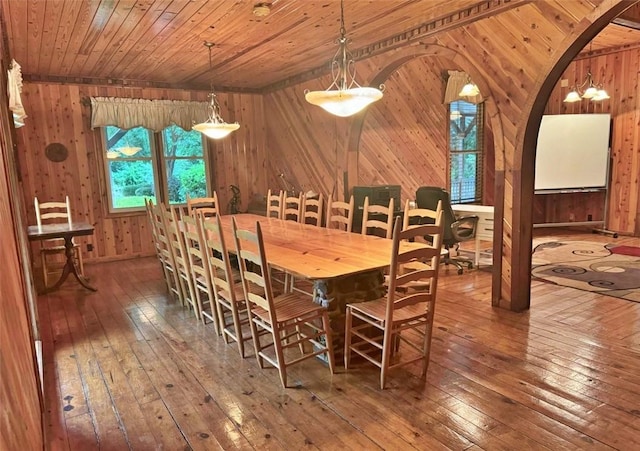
572	152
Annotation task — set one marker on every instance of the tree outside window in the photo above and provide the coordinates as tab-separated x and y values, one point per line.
465	151
136	170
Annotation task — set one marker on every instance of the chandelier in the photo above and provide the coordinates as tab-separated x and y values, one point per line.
214	127
344	97
588	89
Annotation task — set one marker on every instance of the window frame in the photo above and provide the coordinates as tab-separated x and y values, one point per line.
158	166
478	151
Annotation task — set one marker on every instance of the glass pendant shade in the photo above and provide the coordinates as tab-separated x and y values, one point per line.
590	92
469	90
344	97
216	130
601	95
129	151
572	97
345	102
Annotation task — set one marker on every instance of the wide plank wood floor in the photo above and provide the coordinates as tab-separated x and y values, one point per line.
129	368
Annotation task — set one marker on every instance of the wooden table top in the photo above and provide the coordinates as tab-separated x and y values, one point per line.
315	252
58	230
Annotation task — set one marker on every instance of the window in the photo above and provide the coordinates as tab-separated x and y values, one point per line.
163	167
466	124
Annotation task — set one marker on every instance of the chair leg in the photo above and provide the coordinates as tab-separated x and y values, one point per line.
347	338
282	366
387	345
328	340
45	275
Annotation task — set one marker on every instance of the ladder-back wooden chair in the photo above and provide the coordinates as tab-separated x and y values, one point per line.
231	307
312	210
339	214
419	216
292	208
377	219
200	274
293	324
208	206
181	259
164	250
55	212
376	330
275	204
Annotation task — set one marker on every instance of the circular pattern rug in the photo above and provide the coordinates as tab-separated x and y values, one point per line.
603	268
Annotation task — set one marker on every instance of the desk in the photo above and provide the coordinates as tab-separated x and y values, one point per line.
485	223
67	232
344	267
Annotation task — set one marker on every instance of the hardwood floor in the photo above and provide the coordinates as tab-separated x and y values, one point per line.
128	367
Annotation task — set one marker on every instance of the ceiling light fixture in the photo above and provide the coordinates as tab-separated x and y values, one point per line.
261	9
214	127
470	89
126	150
588	89
344	97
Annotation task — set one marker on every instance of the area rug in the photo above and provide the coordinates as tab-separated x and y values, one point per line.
603	268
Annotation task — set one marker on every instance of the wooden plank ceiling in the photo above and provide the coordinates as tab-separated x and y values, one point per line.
160	42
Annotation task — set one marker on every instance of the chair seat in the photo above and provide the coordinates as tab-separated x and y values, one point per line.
290	306
376	310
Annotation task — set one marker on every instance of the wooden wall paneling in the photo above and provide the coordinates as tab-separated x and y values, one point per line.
303	141
56	115
22	425
619	73
403	139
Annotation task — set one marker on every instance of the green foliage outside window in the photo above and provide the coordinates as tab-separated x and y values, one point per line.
132	178
465	152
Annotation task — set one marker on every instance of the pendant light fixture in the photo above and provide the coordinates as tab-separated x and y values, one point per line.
470	89
214	127
344	97
588	89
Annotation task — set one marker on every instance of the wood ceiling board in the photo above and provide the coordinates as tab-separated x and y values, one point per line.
160	41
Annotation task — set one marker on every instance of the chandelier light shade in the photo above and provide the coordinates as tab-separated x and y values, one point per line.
469	90
129	151
214	127
344	97
126	150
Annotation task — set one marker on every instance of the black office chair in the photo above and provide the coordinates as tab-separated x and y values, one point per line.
456	229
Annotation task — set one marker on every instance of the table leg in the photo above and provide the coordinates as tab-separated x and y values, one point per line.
69	267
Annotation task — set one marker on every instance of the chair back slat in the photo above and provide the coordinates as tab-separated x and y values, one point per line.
208	206
275	204
312	210
372	225
340	214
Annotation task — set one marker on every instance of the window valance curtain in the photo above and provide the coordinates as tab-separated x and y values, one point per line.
455	82
151	114
14	88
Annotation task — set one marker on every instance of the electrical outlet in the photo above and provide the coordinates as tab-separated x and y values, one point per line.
589	218
89	247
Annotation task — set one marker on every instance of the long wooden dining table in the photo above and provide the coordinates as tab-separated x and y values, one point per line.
344	267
